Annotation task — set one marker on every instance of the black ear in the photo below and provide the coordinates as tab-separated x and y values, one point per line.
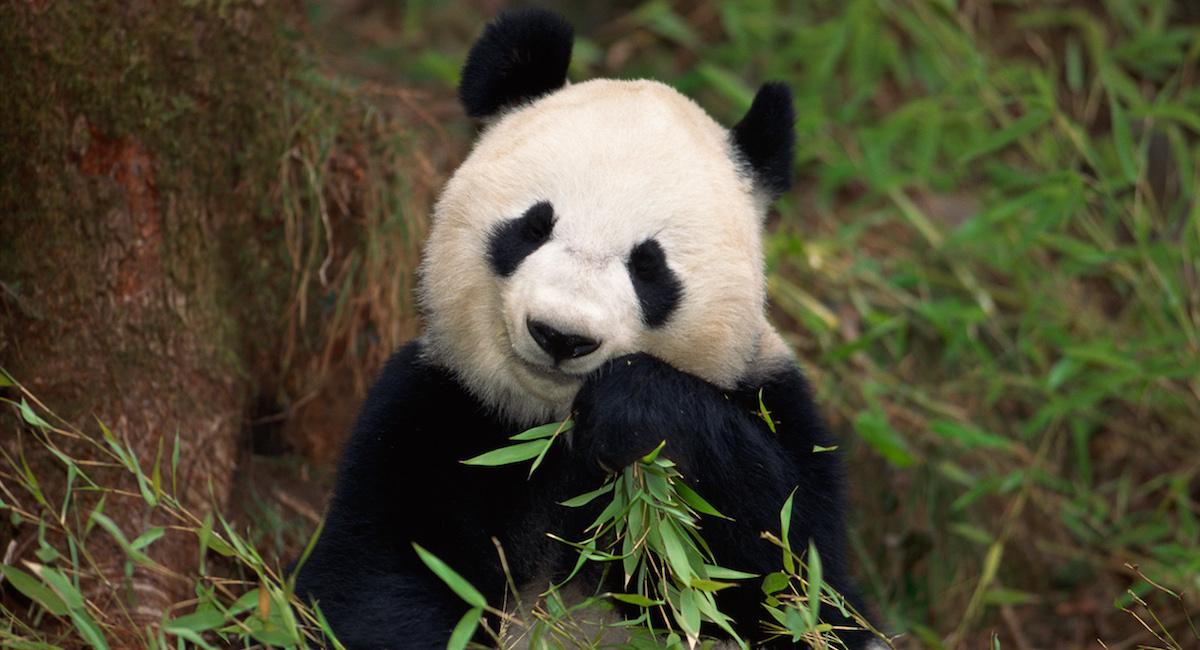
522	55
766	136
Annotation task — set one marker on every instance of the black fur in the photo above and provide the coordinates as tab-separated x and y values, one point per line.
401	481
522	55
515	239
766	136
658	289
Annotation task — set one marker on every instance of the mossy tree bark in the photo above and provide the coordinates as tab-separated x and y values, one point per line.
136	136
148	275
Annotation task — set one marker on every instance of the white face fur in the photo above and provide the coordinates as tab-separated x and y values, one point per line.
621	162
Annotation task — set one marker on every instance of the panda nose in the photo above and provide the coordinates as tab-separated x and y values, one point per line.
559	344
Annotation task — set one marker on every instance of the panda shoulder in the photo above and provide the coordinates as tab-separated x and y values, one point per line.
411	396
407	371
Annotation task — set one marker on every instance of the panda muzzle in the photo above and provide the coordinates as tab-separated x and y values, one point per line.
558	344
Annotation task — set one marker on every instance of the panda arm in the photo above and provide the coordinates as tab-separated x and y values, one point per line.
721	445
399	482
729	455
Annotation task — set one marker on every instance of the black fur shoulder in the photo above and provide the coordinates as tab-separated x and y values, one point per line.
401	481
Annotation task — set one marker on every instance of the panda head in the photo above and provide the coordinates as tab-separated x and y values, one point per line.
597	219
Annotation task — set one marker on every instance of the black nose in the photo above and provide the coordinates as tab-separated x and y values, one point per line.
558	344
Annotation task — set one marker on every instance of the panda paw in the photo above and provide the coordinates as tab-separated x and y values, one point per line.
629	406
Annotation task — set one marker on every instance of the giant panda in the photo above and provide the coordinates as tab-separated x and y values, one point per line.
597	256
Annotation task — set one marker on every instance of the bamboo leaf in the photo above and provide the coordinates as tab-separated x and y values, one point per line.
509	455
998	139
175	464
785	524
88	630
188	635
465	629
545	431
709	585
31	417
34	590
689	618
1123	140
147	538
694	500
588	497
204	618
111	527
970	437
721	573
676	555
764	414
650	457
815	582
456	582
63	587
775	582
636	599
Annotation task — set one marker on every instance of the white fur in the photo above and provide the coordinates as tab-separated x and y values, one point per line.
621	161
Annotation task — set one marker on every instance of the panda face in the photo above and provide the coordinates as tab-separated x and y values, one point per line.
607	218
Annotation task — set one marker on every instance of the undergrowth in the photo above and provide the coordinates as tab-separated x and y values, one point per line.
649	529
64	599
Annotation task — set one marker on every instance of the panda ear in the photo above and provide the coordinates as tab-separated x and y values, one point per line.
522	55
765	137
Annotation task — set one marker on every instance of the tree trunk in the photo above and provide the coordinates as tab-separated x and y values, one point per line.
178	209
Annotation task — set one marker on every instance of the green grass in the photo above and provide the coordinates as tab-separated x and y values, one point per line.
65	598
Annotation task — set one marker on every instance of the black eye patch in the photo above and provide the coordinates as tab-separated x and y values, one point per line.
658	288
515	239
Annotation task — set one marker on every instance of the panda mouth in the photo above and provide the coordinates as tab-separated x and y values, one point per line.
549	373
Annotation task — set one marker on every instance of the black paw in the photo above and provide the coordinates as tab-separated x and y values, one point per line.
627	407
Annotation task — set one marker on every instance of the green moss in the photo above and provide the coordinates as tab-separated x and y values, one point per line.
244	138
189	103
199	89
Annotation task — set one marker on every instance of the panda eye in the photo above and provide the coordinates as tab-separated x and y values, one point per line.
512	241
647	260
538	223
658	289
